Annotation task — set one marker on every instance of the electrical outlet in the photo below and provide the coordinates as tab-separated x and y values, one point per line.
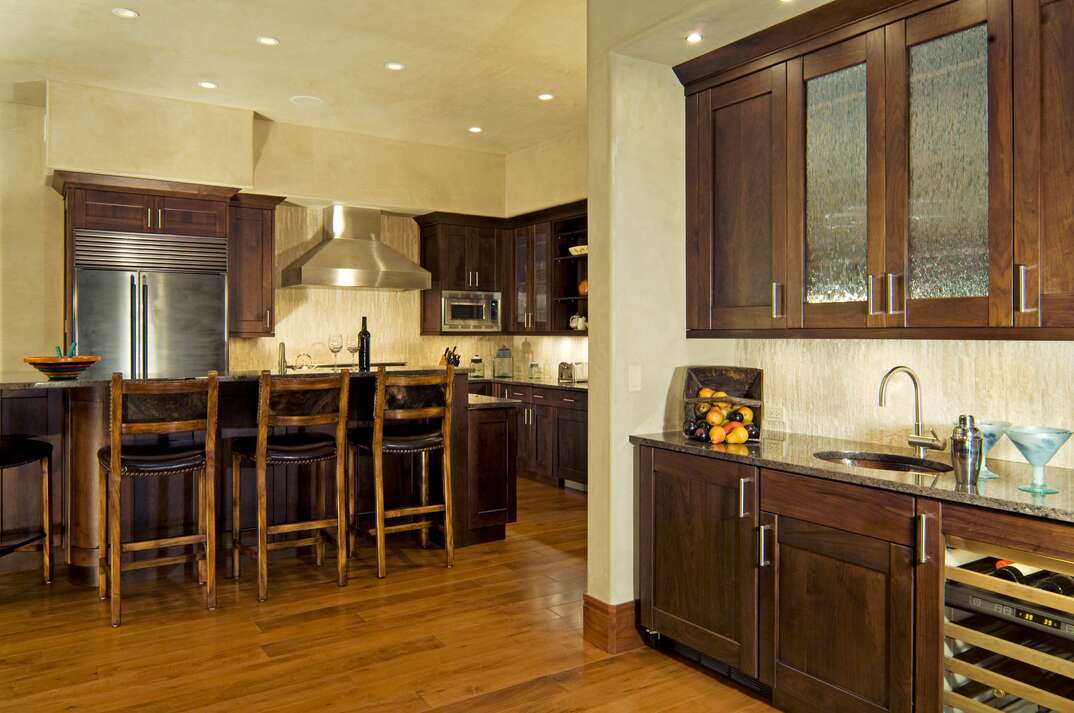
773	413
634	377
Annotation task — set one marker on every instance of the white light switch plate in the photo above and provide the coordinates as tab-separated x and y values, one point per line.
634	377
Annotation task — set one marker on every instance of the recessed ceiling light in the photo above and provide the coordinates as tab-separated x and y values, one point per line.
208	84
267	41
307	100
694	37
125	12
395	66
474	129
546	97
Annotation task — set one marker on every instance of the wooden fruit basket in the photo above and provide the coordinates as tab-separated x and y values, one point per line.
744	387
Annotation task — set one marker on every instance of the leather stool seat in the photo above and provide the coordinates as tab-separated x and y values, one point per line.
304	447
155	459
16	451
400	440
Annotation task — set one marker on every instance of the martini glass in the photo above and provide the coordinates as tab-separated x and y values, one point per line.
1037	444
991	432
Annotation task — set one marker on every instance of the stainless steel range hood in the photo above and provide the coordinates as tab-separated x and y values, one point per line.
352	256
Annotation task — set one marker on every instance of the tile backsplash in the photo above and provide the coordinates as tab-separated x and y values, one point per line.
306	317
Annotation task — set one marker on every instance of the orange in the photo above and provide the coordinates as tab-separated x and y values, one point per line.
714	417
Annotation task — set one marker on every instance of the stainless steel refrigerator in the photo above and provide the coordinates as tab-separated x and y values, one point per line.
151	306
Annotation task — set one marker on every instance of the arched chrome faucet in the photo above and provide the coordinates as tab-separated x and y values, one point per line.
918	440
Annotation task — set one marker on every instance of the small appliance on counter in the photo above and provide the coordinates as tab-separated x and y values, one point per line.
503	364
477	367
576	372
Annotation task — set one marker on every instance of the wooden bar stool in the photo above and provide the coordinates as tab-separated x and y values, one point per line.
136	409
16	451
293	401
403	407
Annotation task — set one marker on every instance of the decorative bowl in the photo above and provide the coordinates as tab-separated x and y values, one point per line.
578	249
62	368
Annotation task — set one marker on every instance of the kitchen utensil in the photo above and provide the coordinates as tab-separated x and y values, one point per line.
503	364
578	250
966	457
62	368
991	431
1037	444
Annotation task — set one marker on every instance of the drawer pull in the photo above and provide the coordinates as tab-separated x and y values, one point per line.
149	217
762	555
537	396
570	401
922	539
742	496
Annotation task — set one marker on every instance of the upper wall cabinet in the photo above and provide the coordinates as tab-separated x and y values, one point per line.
885	168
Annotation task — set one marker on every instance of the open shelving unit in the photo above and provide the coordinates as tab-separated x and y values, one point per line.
569	270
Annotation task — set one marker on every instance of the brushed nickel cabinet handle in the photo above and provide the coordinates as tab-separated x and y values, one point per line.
477	278
266	319
762	555
149	218
870	294
891	277
1022	275
922	538
160	218
777	300
538	396
570	401
742	496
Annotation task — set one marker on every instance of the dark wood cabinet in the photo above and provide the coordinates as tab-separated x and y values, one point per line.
191	216
251	272
698	583
552	432
949	122
531	294
572	451
91	209
543	418
492	466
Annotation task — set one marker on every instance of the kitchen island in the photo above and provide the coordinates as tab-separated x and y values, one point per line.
73	416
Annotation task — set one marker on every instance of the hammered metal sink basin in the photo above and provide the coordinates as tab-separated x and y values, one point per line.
883	461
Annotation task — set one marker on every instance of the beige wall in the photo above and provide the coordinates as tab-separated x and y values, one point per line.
548	174
303	162
306	317
31	240
105	131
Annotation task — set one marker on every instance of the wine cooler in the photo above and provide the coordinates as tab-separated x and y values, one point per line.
1009	630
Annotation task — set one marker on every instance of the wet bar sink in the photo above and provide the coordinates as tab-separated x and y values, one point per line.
883	461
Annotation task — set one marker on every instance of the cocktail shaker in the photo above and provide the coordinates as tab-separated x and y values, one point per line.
966	443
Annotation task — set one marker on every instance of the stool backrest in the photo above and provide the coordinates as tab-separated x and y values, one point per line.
416	389
302	401
136	406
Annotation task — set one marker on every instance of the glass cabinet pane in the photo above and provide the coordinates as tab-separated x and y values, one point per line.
540	274
836	239
949	166
522	273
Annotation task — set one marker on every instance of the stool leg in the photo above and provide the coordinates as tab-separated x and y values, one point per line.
378	488
200	519
236	518
262	531
102	532
424	494
115	566
449	529
321	496
46	517
209	518
341	520
352	501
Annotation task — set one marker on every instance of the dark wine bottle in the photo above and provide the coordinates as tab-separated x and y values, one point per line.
363	347
1058	583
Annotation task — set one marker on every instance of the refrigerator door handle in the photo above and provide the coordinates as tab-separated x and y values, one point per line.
134	328
145	328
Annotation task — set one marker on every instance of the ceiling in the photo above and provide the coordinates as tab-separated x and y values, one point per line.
468	62
721	22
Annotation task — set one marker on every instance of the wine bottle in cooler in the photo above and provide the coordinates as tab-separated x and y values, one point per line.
364	339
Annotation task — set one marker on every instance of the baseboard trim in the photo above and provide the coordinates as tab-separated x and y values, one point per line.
610	627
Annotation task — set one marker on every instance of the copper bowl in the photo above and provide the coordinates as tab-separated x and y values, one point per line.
62	368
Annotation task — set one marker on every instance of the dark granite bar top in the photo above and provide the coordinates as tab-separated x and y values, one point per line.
794	453
479	401
544	383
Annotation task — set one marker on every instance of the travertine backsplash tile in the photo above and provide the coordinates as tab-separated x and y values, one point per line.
830	387
306	317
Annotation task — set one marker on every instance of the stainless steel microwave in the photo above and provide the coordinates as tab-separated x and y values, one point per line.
470	311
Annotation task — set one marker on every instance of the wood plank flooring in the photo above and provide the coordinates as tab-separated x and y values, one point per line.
499	632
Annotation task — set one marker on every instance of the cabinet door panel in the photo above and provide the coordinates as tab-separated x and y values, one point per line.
541	317
191	216
250	272
747	163
113	210
526	440
572	462
957	102
544	440
858	591
700	584
521	304
481	258
453	272
491	475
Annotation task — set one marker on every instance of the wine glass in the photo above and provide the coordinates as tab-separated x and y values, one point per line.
991	432
353	345
335	345
1038	444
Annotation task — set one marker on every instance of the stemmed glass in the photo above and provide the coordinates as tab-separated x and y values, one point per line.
335	345
1038	444
353	345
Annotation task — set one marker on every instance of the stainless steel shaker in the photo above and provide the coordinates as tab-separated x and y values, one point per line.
966	443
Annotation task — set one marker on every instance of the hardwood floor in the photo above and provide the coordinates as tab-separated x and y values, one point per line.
499	632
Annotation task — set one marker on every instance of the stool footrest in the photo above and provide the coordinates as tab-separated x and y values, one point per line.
419	510
158	562
405	527
165	542
301	526
17	543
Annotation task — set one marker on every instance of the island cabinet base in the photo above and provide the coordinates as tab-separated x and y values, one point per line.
804	584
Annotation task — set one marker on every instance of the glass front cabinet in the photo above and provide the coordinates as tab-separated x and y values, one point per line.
899	178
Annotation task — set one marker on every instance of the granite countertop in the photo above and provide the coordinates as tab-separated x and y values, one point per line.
479	401
543	382
28	378
794	453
